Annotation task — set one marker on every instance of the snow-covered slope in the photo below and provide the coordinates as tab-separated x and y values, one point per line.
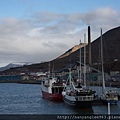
14	65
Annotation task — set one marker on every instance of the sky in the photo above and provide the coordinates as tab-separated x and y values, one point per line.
41	30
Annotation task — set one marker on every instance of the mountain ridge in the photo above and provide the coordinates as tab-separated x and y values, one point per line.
111	49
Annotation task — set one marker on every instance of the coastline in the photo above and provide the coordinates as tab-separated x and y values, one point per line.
91	83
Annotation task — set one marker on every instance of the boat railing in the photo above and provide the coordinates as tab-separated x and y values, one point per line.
70	93
113	92
57	84
84	98
109	96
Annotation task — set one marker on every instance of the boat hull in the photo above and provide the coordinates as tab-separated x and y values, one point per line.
78	104
52	97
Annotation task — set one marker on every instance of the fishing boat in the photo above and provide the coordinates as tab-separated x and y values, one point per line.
107	96
52	89
77	95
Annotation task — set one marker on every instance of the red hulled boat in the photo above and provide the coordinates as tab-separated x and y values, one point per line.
52	89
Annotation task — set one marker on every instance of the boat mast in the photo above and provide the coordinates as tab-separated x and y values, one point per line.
84	60
103	77
109	109
78	68
49	70
80	63
70	72
53	73
70	77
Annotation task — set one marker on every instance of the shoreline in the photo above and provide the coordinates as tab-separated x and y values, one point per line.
93	83
21	82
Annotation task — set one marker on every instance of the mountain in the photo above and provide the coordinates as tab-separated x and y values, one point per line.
111	52
15	65
111	46
111	55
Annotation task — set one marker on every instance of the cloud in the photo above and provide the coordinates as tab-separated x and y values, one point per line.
103	17
46	35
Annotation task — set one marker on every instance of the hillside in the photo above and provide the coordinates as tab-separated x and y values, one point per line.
111	49
72	50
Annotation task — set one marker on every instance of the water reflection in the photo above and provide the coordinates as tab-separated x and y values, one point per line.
82	111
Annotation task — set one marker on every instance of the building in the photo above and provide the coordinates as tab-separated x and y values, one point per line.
14	77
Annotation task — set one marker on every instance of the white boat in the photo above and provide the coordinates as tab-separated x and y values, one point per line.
77	95
107	96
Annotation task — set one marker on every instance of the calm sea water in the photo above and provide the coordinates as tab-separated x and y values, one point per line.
27	99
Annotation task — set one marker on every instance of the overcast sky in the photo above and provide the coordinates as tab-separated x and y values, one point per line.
41	30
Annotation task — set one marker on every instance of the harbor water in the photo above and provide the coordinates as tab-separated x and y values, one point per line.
27	99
